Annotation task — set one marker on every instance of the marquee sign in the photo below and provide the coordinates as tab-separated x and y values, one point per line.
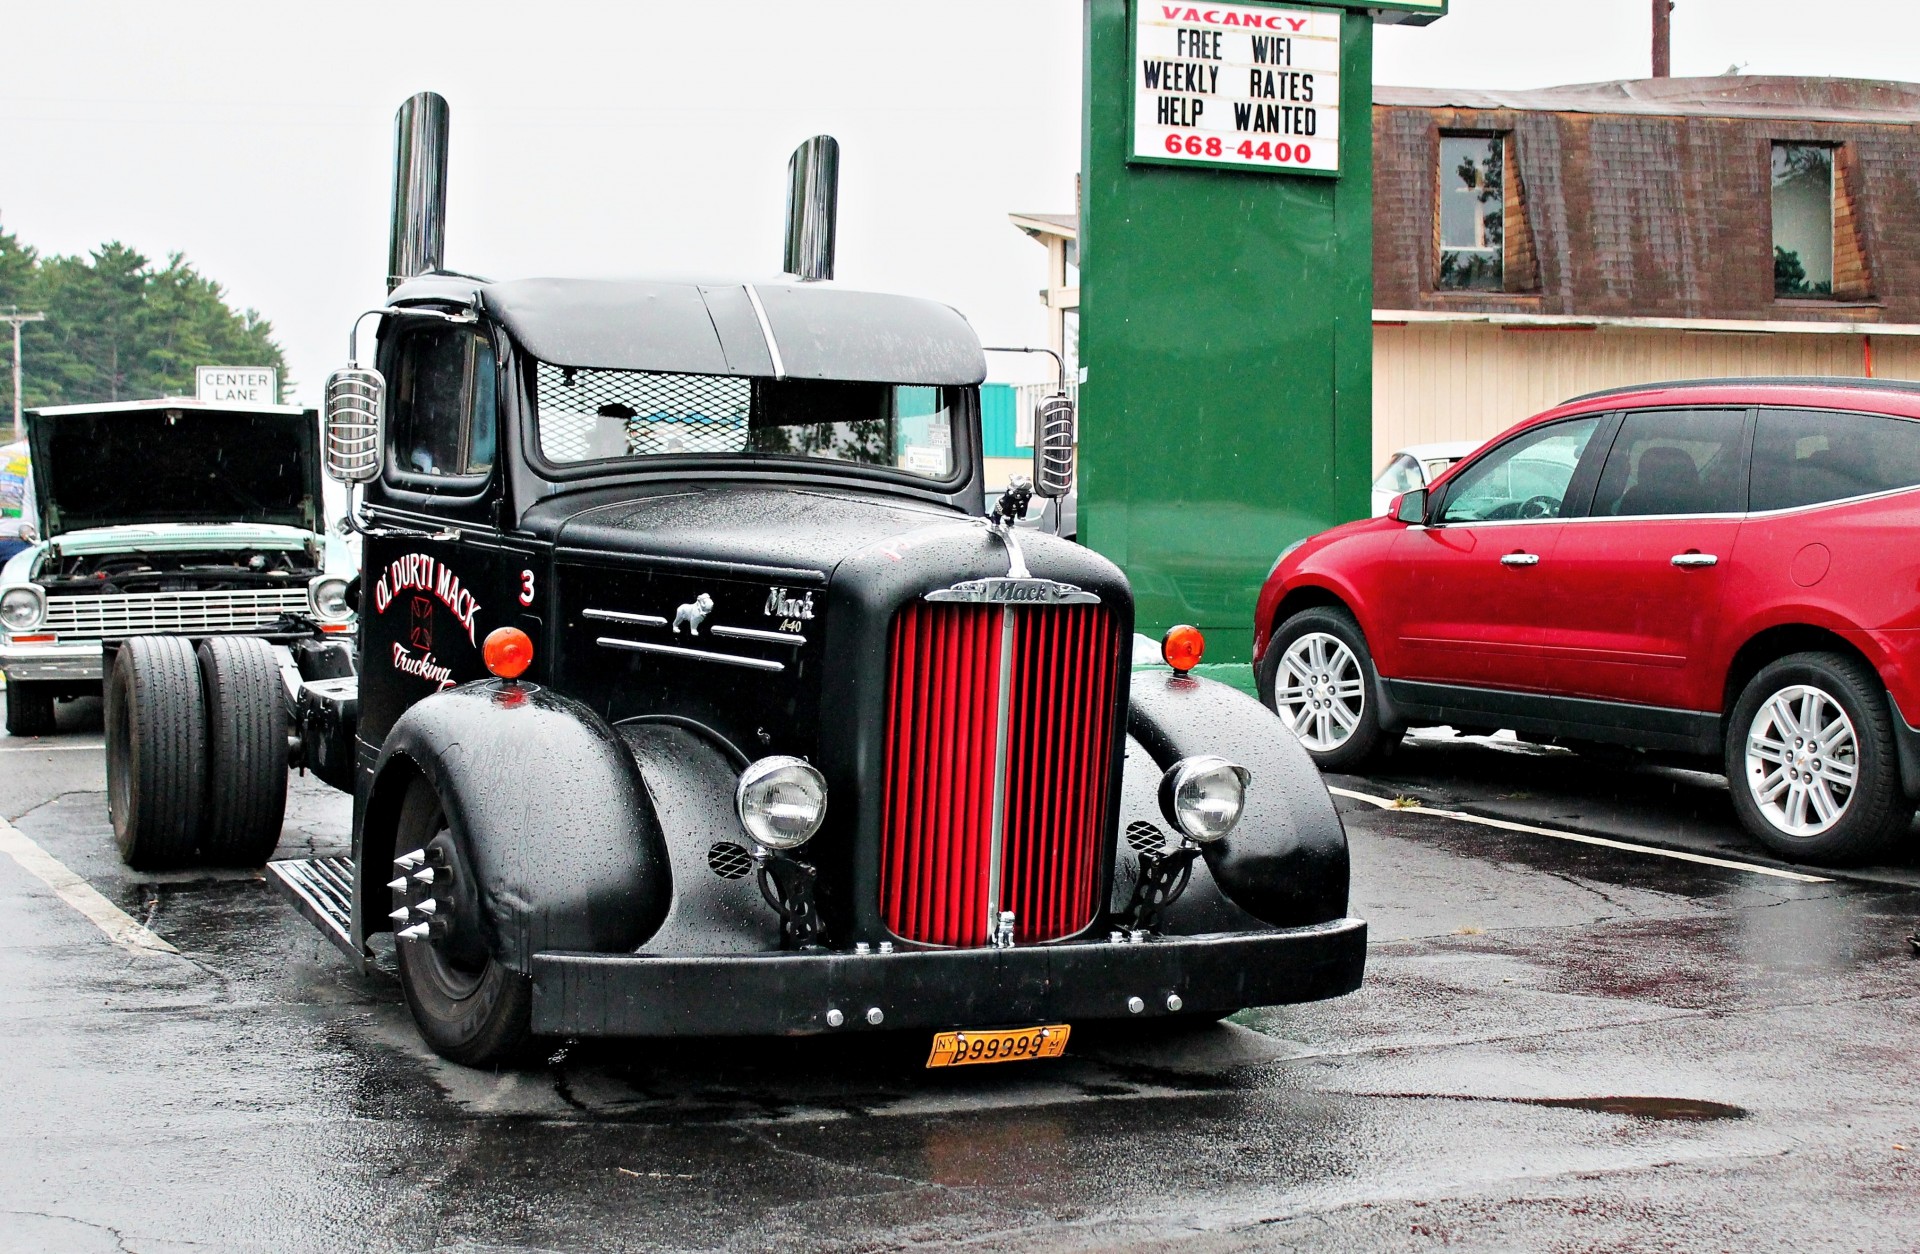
1236	86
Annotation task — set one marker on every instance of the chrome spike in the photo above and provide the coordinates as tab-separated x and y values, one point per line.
417	932
399	885
408	861
401	915
429	907
424	875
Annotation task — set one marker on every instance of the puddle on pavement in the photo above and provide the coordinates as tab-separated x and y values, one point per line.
1669	1109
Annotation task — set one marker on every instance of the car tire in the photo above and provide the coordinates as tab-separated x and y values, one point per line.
1327	633
469	1007
29	708
156	732
246	750
1789	816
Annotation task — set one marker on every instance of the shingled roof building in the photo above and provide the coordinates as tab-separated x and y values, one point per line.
1529	246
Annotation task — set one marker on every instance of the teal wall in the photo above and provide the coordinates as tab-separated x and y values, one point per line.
1000	422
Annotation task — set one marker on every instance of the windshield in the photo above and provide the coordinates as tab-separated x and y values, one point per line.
588	415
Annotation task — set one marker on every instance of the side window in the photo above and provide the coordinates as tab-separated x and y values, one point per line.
1804	457
440	419
1526	477
1675	461
1401	475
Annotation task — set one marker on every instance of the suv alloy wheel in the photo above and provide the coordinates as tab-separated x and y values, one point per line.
1811	760
1318	676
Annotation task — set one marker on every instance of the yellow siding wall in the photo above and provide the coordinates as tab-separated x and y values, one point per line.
1468	381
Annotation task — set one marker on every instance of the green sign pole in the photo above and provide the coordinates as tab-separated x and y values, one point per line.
1226	318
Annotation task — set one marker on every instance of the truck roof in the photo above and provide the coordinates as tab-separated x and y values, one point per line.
778	328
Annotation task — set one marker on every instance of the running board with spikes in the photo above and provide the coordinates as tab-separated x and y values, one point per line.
322	888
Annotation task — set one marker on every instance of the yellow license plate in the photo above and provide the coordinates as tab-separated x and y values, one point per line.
961	1049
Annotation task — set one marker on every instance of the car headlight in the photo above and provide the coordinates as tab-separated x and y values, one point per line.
781	801
328	597
21	609
1203	796
1285	553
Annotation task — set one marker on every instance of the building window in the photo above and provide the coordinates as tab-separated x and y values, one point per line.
1802	220
1473	212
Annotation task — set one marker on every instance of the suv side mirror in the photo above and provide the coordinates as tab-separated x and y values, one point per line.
1412	507
356	399
1053	434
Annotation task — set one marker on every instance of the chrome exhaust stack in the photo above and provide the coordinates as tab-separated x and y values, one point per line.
813	207
417	243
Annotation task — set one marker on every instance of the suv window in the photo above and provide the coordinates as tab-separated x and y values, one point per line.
1804	457
1526	477
441	419
1401	475
1675	461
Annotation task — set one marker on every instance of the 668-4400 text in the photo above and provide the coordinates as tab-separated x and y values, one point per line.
1247	150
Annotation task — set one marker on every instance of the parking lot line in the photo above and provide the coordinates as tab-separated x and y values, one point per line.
121	928
1388	803
48	748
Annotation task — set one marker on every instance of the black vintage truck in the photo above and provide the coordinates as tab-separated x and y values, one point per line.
700	691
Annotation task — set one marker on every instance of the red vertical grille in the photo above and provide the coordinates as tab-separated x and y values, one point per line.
937	826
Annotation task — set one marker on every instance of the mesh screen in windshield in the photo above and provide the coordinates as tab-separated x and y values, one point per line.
587	415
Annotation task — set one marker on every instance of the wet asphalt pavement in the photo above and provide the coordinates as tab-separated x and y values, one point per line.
1560	1046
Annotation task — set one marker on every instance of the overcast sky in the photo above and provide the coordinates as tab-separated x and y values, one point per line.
648	137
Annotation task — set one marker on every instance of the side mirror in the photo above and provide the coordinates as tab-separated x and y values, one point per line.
1412	507
356	399
1053	435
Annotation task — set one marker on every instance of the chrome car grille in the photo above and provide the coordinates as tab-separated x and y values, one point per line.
164	613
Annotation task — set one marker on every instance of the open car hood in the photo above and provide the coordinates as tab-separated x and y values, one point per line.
174	461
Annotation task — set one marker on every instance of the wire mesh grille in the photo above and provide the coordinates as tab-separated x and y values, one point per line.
587	414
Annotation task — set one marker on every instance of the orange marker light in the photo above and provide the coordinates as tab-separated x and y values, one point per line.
508	652
1183	647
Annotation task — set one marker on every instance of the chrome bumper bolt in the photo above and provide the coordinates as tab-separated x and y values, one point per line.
835	1018
876	1016
1174	1002
1135	1005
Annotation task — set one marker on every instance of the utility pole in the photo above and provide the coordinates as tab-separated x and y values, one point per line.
1663	38
19	320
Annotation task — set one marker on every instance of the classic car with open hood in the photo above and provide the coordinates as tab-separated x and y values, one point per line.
699	693
163	517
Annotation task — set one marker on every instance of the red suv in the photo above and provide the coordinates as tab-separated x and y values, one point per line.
1726	569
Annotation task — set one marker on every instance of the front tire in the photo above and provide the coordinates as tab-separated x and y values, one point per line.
156	723
470	1009
1811	761
1318	676
29	708
246	748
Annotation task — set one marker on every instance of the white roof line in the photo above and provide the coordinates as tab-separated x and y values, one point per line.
1725	326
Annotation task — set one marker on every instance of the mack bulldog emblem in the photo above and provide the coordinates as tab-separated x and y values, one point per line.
692	614
1005	591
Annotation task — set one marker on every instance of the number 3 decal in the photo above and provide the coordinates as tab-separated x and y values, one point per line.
526	587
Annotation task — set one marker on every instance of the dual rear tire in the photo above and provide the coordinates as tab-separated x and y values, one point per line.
196	752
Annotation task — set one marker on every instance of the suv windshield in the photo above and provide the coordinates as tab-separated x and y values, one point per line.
589	415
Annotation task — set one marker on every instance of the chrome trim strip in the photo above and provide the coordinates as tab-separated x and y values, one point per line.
618	616
698	655
1002	717
766	331
751	633
1009	590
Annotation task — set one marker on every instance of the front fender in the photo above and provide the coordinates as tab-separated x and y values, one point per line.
1286	862
549	808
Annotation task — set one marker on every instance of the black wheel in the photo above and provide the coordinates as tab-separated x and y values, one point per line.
1811	760
156	723
246	750
1317	675
469	1008
29	708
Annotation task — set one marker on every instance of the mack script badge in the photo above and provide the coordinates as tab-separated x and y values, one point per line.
1007	591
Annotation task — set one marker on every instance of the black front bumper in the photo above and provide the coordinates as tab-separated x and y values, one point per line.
576	994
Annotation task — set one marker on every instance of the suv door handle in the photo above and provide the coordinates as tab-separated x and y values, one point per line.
1521	559
1688	561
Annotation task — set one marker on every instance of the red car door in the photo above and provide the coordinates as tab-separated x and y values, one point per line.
1468	591
1634	590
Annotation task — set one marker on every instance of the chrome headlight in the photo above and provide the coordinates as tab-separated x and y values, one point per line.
21	609
1204	795
781	801
327	596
